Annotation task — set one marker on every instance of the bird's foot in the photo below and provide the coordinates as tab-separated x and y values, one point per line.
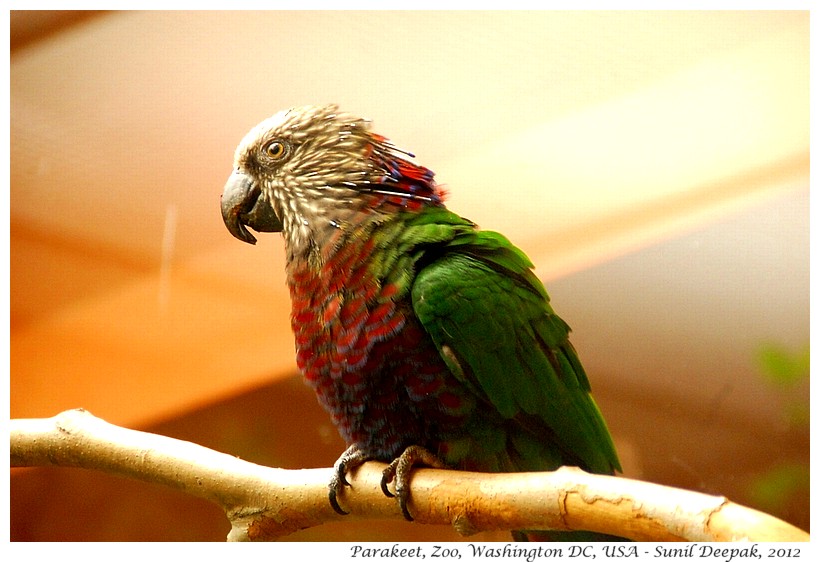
350	459
399	470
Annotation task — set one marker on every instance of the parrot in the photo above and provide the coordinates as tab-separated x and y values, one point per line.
429	341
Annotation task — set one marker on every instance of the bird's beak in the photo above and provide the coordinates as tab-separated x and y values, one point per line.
242	204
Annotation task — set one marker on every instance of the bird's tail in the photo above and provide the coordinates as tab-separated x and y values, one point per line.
565	536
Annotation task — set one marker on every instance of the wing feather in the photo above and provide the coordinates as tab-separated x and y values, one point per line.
479	299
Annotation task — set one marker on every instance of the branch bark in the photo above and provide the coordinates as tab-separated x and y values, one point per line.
264	503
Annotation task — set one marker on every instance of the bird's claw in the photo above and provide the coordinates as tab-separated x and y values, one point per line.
349	460
400	469
336	485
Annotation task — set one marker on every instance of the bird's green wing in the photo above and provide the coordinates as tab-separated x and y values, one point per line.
490	318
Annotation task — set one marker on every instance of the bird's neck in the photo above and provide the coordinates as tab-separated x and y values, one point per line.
323	220
315	235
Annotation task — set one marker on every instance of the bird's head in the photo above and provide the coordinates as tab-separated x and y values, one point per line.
312	170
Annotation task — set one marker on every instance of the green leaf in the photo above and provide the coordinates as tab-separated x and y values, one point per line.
775	487
781	367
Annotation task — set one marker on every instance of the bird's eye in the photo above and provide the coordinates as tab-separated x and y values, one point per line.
275	149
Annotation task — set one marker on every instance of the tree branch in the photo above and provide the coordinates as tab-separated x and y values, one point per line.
267	503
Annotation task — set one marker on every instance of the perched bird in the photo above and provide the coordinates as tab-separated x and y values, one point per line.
427	340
